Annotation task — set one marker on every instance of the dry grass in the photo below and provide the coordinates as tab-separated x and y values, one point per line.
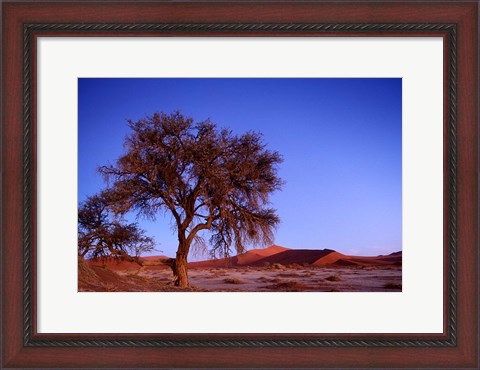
333	278
97	278
102	279
232	281
288	286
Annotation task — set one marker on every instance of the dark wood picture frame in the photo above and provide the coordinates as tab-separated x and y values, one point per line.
456	22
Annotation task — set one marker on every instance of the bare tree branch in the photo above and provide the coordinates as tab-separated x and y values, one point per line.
173	163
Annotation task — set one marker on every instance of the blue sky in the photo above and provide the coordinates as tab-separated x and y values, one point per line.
341	140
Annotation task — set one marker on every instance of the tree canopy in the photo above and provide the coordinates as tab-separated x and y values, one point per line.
100	234
207	178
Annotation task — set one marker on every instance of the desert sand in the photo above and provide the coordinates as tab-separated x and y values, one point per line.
273	269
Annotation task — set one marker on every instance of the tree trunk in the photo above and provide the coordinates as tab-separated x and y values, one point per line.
180	272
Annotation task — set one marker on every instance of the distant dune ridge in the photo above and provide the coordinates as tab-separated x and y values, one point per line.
298	256
339	259
257	254
274	254
244	259
286	256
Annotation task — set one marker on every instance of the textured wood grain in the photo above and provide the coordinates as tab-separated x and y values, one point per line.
465	354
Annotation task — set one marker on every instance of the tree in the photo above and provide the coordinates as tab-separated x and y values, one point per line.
207	178
101	235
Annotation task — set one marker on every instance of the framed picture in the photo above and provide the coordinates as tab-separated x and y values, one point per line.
320	158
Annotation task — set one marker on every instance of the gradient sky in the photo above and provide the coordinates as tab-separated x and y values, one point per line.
341	140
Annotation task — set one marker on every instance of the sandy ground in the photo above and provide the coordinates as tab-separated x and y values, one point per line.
272	269
304	279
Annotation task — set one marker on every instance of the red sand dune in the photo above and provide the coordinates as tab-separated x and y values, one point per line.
153	258
256	254
346	262
262	257
114	264
245	259
329	259
221	262
384	260
290	256
339	259
118	264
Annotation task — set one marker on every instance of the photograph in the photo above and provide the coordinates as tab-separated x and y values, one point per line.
240	185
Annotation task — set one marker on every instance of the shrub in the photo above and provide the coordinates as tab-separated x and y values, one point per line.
333	278
288	286
232	281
